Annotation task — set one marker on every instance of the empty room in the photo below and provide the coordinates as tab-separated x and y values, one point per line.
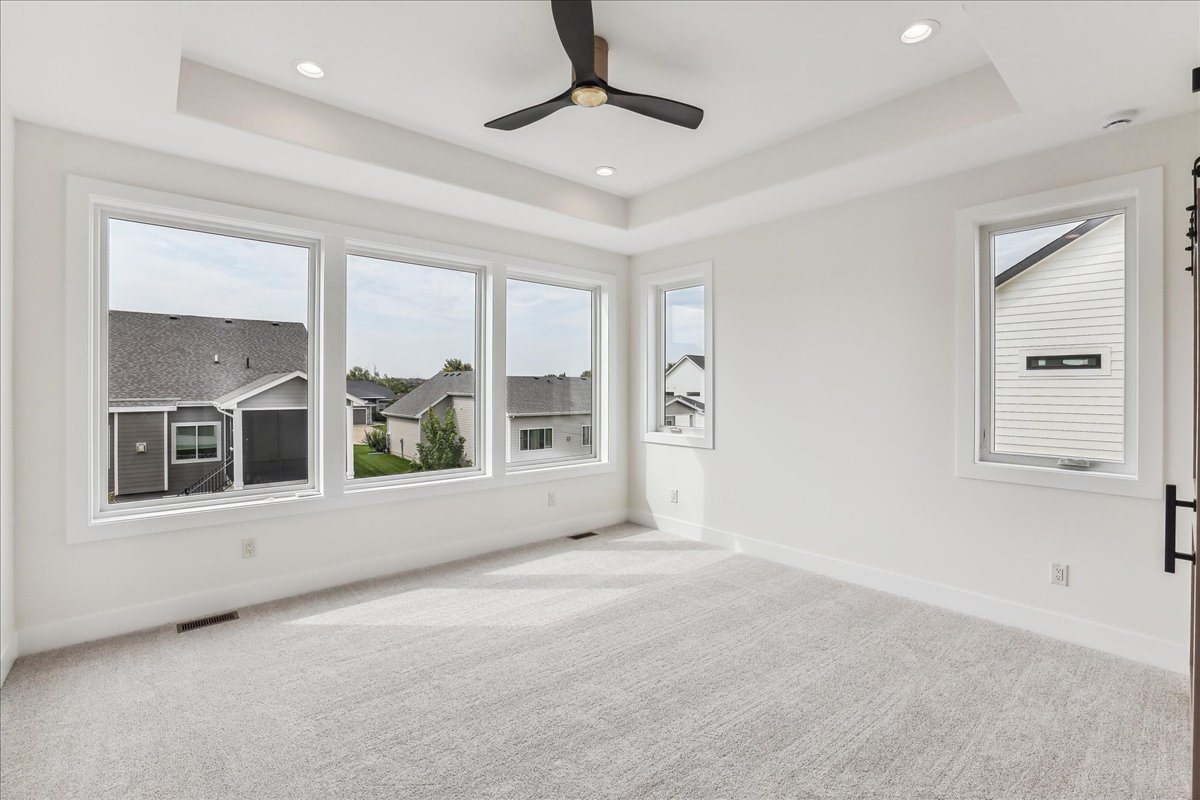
573	399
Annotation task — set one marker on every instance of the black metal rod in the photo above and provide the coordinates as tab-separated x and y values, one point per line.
1173	503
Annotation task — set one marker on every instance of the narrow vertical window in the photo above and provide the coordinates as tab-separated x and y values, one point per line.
208	350
679	336
551	384
412	390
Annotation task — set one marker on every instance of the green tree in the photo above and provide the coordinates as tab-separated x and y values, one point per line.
456	365
361	374
587	373
441	446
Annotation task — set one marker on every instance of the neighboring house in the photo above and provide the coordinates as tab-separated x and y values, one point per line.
223	401
369	400
684	393
548	417
1060	347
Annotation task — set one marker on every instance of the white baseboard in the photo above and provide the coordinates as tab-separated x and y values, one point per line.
90	627
1118	641
7	656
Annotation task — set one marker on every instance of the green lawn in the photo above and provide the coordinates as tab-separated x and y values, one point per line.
369	464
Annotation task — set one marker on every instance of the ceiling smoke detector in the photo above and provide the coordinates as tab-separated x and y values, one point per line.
1121	119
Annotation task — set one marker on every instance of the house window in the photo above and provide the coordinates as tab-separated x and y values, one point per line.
551	376
414	328
1064	291
196	442
537	439
679	356
206	355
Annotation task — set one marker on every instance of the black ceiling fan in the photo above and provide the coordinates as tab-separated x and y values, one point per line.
589	81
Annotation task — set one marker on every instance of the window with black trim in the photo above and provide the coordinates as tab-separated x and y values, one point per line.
536	439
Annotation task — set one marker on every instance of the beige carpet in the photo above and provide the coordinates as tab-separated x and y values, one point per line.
629	665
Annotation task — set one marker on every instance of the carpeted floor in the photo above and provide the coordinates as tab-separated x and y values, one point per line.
628	665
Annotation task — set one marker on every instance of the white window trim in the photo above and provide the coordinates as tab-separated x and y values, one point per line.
601	289
1144	335
653	285
544	437
175	426
332	491
585	435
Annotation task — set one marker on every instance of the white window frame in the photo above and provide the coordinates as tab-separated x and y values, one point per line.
599	289
401	255
220	456
1139	196
654	285
547	433
585	435
89	519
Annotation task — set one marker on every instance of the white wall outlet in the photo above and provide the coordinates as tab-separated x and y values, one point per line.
551	498
1058	574
674	495
249	548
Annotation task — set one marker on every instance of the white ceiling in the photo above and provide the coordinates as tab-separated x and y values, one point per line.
762	71
806	103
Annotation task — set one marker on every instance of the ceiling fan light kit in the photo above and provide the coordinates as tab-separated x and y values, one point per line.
589	78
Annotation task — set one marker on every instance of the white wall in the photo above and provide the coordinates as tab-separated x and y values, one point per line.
848	312
71	592
8	620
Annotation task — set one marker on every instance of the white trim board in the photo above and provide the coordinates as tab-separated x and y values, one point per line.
130	619
1118	641
8	656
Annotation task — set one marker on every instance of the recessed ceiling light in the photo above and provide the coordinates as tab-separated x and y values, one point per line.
310	69
604	172
919	31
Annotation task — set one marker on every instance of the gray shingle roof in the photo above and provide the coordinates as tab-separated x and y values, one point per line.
527	395
171	356
687	401
698	359
367	390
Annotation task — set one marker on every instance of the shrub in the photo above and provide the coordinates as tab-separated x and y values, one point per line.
376	439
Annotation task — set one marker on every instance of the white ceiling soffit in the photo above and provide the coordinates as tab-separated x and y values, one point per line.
806	103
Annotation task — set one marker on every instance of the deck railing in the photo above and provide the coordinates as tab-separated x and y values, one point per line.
215	481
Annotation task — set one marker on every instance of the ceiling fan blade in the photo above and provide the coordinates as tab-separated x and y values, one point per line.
660	108
519	119
573	18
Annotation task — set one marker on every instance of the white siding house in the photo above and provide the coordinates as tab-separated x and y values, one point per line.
1069	303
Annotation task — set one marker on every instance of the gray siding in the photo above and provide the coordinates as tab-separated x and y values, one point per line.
181	476
138	472
290	394
565	426
464	415
403	433
402	437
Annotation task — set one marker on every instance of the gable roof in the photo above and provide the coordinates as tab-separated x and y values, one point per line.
171	355
1044	252
691	402
697	360
527	395
369	390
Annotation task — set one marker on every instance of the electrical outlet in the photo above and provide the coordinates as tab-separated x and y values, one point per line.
674	495
249	548
551	498
1058	574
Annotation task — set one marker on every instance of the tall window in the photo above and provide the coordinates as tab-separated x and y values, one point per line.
412	336
1057	373
207	347
551	387
1059	342
679	338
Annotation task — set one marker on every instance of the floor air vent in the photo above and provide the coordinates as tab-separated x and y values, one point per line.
582	535
204	622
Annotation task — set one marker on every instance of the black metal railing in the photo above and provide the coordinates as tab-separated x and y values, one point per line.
215	481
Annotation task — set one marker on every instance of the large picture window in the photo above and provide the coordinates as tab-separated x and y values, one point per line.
206	360
1055	385
551	379
412	334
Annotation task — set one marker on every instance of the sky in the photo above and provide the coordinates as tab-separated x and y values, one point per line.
403	320
1009	248
684	322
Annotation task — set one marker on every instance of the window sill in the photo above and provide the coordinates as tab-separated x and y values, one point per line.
678	439
1056	478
